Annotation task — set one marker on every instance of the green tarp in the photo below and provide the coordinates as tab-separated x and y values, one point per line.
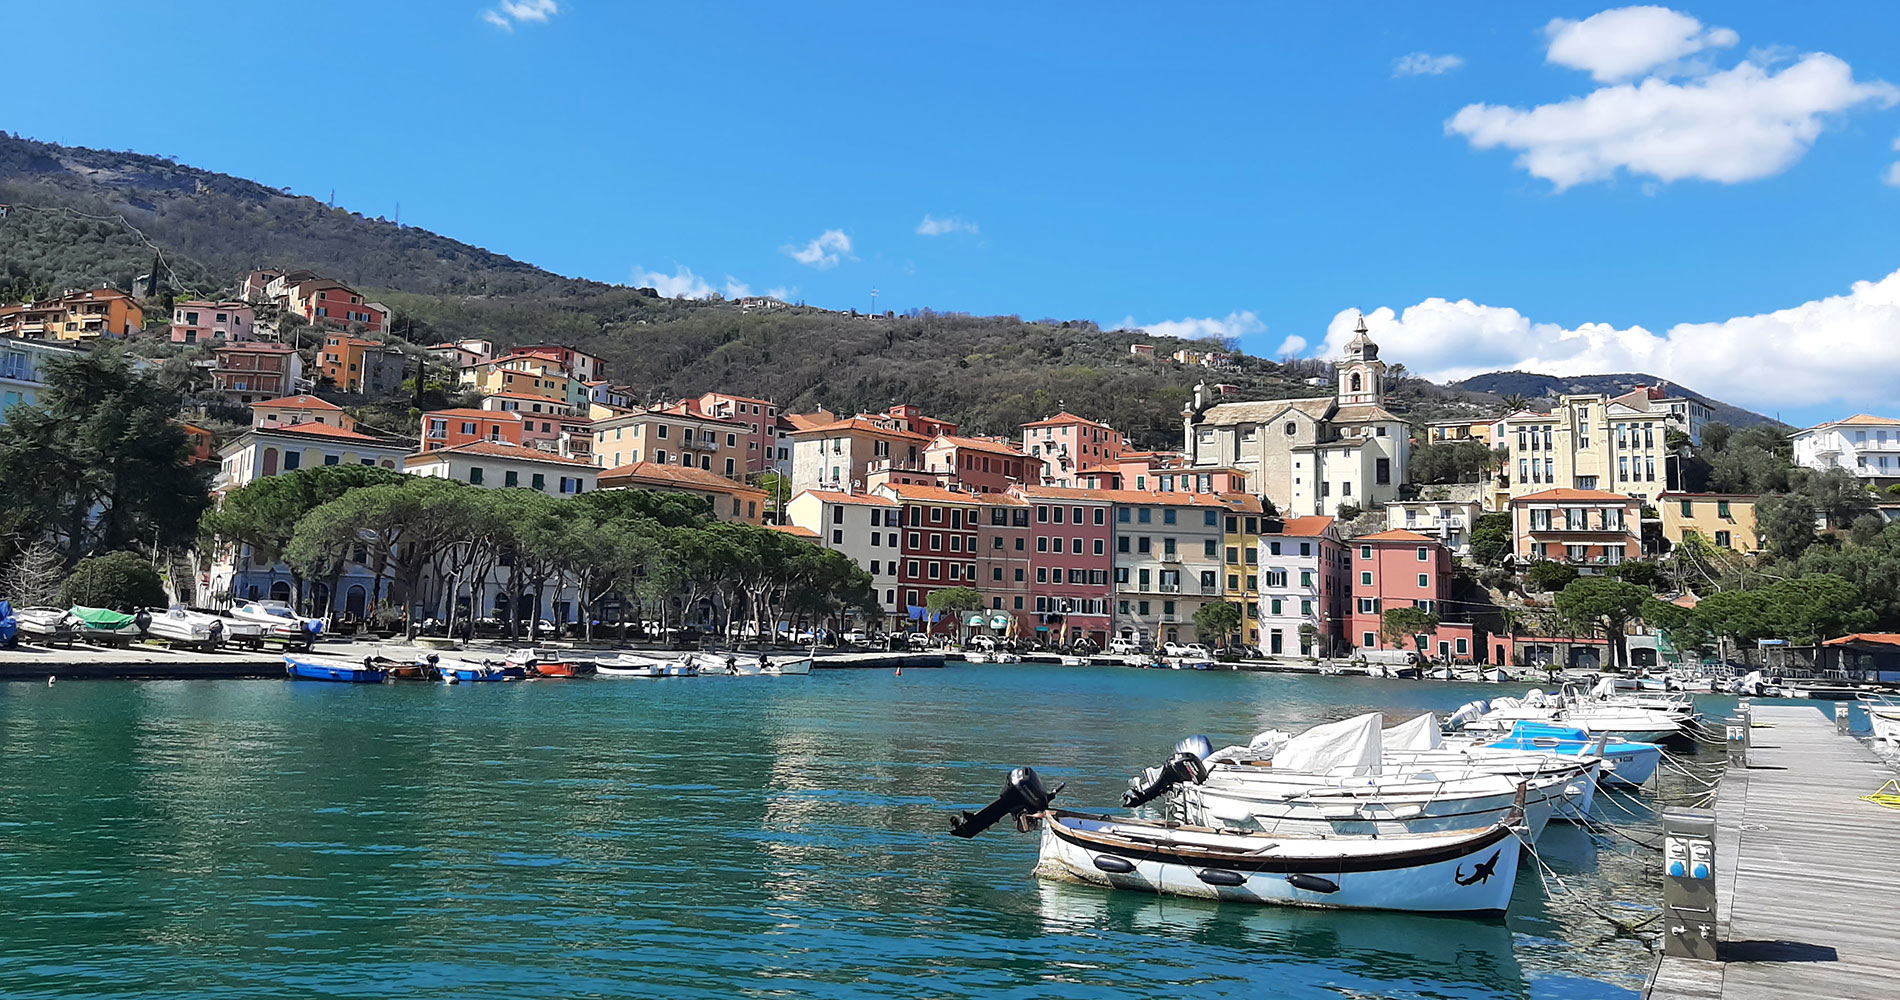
100	618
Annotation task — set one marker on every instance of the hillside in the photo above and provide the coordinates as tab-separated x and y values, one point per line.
1536	387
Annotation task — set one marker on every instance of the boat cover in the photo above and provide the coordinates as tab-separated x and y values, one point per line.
9	626
101	618
1421	733
1349	747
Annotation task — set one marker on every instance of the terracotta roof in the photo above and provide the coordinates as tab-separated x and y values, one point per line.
859	425
1065	417
1067	493
302	402
527	395
254	347
806	421
981	444
1229	501
1309	526
793	529
739	399
1862	419
320	430
516	356
497	449
932	494
1867	638
1395	535
1564	494
1002	500
464	411
834	496
678	476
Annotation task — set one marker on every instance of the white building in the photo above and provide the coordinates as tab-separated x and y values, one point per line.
1303	581
1315	454
1449	521
498	464
1865	445
22	370
863	526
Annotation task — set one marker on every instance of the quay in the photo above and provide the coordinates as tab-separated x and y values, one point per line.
1806	872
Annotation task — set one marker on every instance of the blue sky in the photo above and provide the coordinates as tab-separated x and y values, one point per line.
1566	187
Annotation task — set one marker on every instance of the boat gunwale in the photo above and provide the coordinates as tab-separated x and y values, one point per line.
1477	841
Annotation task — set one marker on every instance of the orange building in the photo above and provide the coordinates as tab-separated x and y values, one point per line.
459	426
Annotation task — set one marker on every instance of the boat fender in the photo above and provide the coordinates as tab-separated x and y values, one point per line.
1023	796
1114	865
1312	883
1221	877
1185	765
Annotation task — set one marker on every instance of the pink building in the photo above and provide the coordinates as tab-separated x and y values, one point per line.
1003	553
760	416
197	321
321	300
1402	569
579	364
1072	562
1066	444
979	465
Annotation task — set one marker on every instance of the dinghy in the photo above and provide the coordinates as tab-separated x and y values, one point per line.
1628	762
455	670
106	627
47	625
182	626
549	663
279	623
1470	871
622	665
798	666
304	667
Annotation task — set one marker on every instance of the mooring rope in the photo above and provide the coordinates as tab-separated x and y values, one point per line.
1623	927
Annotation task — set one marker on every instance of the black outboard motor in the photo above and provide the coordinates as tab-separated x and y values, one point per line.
1189	763
1023	795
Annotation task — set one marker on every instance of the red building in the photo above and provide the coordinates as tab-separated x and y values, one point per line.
1003	556
324	301
936	546
1072	562
1402	569
448	428
979	465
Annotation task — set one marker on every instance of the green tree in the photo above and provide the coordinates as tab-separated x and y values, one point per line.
260	517
1400	625
1547	576
1604	604
1491	541
1217	620
1641	572
1786	522
954	601
98	463
1808	609
121	581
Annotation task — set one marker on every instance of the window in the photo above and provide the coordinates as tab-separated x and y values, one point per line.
1688	508
1424	580
1292	428
1365	552
1424	554
1101	547
475	475
1365	579
1075	546
1101	515
1121	543
1145	516
1208	547
1721	509
511	478
1233	554
1382	470
1121	515
1167	516
1722	538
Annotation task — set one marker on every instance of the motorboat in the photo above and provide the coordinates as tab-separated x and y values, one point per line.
102	625
977	656
1883	713
455	670
1190	663
1469	871
1628	762
634	665
540	662
182	626
279	622
1636	718
304	667
47	625
797	666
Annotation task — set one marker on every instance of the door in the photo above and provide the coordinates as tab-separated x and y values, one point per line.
355	601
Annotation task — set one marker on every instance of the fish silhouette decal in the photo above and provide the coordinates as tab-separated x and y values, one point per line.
1482	873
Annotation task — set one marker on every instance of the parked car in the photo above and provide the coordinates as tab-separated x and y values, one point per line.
1125	646
1187	649
986	643
856	637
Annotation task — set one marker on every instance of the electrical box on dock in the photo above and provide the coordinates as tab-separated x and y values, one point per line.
1689	883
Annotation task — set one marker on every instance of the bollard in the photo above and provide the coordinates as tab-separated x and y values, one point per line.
1689	883
1737	730
1843	715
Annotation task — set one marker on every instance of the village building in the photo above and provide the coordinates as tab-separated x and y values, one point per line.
249	372
862	526
291	411
1069	535
502	465
1724	520
1591	530
199	321
1865	445
1066	444
458	426
1305	587
728	499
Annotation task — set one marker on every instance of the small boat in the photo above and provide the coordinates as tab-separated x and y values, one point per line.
798	666
304	667
1072	661
549	663
278	622
1441	674
631	665
1495	675
454	670
100	625
415	670
1190	663
47	625
1005	656
1627	762
182	626
977	656
1883	713
1470	871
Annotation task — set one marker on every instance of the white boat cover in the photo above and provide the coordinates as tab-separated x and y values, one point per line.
1349	747
1605	688
1421	733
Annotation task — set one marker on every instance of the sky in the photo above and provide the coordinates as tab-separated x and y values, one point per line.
1708	193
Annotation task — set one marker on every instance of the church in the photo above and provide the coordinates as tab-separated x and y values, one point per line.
1310	455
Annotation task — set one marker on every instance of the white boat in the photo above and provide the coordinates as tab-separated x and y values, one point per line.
797	666
637	665
1005	656
182	626
977	656
1441	674
47	625
1072	661
1636	718
1190	663
278	621
1884	714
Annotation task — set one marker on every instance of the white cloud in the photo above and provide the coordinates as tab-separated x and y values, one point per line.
783	294
826	251
1627	42
736	289
1292	346
1425	64
1734	125
939	227
1893	172
1816	353
1235	324
513	12
681	284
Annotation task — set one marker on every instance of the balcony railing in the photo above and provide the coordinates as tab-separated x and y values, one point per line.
1169	588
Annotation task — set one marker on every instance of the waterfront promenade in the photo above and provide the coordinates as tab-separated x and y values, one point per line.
1806	872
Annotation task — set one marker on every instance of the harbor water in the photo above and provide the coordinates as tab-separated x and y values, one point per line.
710	837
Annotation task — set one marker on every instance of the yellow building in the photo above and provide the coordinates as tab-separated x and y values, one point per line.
1453	431
1598	442
523	375
1240	561
1725	520
101	313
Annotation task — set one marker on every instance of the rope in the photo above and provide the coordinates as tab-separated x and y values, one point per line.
1623	927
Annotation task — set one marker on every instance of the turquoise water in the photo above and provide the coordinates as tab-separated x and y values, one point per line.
709	837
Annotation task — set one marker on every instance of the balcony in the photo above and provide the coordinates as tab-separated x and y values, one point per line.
18	371
1168	588
1169	557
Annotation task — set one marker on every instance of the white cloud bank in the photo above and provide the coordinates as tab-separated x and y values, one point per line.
1840	351
1729	126
1235	324
1425	64
943	227
1892	176
684	284
824	252
513	12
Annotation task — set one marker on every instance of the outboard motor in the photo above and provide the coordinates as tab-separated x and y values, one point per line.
1189	763
1023	795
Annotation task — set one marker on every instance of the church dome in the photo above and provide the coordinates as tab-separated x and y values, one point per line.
1361	347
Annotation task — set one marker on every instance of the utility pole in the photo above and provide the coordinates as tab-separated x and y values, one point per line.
874	302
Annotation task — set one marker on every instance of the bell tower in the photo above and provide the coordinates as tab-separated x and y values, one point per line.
1361	374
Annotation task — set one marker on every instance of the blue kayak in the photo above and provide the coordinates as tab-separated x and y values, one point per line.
1630	763
301	667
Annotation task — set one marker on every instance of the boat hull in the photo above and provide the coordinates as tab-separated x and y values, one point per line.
1471	874
1268	808
1886	723
309	668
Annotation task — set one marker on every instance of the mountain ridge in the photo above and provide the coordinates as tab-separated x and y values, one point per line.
1539	386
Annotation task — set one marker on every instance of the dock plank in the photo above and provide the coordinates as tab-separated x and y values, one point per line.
1805	872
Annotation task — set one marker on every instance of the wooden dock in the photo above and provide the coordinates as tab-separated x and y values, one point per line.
1807	874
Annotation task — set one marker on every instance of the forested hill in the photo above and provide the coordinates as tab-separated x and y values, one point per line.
82	217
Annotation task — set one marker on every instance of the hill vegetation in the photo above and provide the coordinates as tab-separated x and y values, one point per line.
1535	387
